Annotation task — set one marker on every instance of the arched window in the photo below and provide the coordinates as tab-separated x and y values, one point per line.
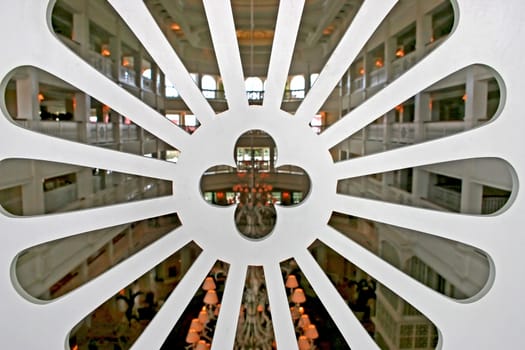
254	88
297	86
209	86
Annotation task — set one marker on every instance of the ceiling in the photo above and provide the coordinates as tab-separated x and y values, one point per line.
255	23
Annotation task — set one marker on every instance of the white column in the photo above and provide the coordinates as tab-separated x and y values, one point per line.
81	29
115	47
420	184
116	120
33	193
27	103
84	183
81	115
388	119
476	99
422	114
471	197
423	30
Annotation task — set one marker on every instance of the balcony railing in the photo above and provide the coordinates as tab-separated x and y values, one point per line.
100	63
358	84
402	64
126	76
377	77
435	130
64	129
445	197
403	133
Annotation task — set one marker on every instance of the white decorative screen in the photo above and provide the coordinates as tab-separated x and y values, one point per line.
487	32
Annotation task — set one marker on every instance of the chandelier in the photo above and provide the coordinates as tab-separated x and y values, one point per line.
255	213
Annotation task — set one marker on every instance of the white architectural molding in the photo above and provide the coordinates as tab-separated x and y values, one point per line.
487	32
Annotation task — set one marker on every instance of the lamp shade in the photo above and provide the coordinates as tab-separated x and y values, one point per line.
201	345
203	316
211	297
303	342
208	284
195	324
291	282
192	336
311	332
298	296
304	321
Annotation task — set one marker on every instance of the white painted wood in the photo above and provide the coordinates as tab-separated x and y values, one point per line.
488	32
286	28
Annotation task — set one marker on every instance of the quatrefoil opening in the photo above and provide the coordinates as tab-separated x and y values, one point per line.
255	185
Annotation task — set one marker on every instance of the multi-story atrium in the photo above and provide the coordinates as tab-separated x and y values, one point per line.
320	174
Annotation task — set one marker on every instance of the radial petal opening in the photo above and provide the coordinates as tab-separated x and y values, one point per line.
197	323
119	321
389	319
314	325
465	100
108	44
42	187
438	263
403	39
42	102
74	261
481	186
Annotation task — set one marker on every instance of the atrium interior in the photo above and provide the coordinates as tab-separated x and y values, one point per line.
266	174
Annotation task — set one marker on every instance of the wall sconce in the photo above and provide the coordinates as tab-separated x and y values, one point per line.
104	51
400	52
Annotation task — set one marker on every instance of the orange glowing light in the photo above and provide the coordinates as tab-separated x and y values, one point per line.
361	71
379	63
40	97
175	26
104	50
328	30
464	97
400	52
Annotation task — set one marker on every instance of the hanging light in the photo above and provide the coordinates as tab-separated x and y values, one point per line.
304	321
203	316
291	282
193	336
311	332
211	297
195	324
298	296
304	343
208	284
201	345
